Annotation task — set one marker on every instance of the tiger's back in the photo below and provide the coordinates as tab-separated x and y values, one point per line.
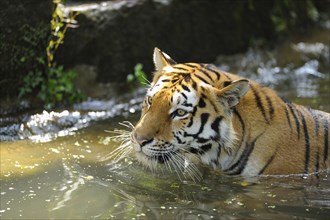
279	136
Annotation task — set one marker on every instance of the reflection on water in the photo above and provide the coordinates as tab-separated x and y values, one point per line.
46	126
70	182
52	163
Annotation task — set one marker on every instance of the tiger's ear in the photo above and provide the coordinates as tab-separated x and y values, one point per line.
161	59
232	93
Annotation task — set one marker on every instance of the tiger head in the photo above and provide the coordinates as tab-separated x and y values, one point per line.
187	111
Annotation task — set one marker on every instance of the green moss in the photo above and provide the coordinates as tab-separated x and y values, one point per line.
25	47
33	42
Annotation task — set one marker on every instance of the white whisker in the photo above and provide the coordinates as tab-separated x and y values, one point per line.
180	162
127	124
146	81
189	169
176	167
124	148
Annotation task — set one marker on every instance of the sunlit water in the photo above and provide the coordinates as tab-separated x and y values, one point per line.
53	167
67	179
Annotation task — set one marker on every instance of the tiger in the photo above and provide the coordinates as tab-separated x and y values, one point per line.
200	114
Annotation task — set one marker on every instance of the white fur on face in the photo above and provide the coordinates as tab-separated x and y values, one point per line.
180	102
155	88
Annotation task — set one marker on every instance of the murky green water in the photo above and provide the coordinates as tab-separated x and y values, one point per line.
66	179
52	163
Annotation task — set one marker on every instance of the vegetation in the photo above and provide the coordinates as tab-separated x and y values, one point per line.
50	81
285	14
138	78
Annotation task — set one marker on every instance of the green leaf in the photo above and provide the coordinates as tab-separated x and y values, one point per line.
130	78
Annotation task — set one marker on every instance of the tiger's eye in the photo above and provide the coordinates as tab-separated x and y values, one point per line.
180	112
148	100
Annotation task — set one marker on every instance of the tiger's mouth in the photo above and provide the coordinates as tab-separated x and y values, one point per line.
170	157
158	158
153	153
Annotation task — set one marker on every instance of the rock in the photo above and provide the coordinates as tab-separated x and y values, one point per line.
87	84
25	31
115	35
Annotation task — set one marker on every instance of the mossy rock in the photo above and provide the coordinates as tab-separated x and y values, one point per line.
25	31
116	35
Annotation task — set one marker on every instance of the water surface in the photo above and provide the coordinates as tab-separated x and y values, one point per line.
66	179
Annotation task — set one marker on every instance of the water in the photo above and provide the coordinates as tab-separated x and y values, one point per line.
52	163
66	179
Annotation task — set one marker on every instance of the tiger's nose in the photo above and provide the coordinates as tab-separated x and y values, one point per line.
141	140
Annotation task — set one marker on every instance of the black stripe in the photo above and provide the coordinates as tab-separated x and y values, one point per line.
215	162
242	124
240	119
227	76
287	117
326	142
226	83
204	117
215	124
190	122
295	119
267	164
192	117
285	100
200	140
184	95
206	147
270	107
202	79
210	68
193	65
187	77
185	88
259	103
194	111
219	151
201	103
194	85
178	139
307	147
197	139
317	163
316	121
181	68
212	103
203	149
206	74
187	104
193	150
242	161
